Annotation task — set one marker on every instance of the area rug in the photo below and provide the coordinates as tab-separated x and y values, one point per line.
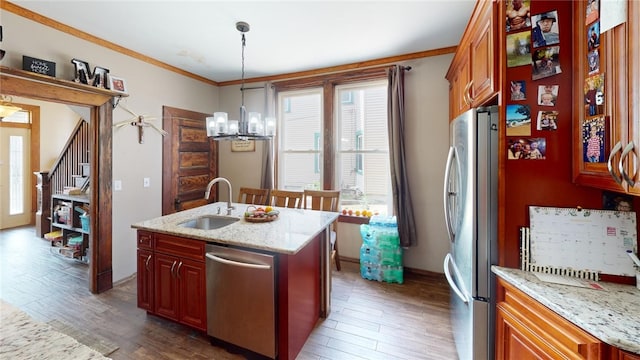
21	337
99	344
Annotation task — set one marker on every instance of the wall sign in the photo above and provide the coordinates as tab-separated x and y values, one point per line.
38	66
243	145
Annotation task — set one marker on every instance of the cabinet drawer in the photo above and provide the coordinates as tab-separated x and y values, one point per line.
173	245
145	240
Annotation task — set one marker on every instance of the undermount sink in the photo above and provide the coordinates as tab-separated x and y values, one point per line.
209	222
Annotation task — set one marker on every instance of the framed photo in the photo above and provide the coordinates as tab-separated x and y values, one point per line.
518	90
547	120
594	140
546	62
243	145
548	95
117	84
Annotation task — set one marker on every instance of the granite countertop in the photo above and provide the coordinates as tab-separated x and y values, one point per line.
611	315
291	232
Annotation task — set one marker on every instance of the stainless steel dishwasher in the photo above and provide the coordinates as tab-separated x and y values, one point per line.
241	306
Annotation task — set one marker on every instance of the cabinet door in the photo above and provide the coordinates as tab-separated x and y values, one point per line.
526	329
166	286
483	66
633	160
145	280
609	117
192	288
514	340
459	86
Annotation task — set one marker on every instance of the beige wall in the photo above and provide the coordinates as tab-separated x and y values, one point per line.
151	87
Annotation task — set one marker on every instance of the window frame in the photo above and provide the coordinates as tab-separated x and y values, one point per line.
328	84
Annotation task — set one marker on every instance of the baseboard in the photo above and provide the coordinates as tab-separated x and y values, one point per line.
407	270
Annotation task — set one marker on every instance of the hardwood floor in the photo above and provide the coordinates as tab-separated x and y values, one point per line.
369	320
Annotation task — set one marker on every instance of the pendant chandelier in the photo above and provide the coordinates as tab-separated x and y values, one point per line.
251	126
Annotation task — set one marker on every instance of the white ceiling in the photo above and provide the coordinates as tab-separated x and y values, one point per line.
286	36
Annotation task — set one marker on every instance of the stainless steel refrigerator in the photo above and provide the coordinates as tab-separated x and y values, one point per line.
471	212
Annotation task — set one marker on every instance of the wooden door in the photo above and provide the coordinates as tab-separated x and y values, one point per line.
15	176
189	160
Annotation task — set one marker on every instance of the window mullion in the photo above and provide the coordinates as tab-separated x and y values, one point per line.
328	169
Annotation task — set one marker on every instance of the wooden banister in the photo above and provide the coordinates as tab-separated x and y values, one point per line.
75	152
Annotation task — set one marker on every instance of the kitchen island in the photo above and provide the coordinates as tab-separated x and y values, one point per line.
598	324
171	266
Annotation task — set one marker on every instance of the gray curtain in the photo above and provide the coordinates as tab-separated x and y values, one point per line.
267	151
402	206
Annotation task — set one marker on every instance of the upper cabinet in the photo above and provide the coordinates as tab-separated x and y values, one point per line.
473	71
606	128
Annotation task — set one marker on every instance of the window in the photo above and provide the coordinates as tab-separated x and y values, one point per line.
347	149
16	175
362	157
18	117
300	155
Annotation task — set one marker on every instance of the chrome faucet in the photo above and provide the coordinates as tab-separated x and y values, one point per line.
208	192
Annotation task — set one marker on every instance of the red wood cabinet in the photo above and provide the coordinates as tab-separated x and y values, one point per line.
145	271
145	280
473	71
619	62
171	278
525	329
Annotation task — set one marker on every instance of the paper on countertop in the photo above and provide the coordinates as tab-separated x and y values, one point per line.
571	281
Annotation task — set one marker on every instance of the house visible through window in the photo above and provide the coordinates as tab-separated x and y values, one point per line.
348	151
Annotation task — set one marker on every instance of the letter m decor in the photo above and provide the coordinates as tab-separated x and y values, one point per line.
97	78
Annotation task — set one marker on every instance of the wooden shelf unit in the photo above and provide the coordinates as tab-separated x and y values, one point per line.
70	225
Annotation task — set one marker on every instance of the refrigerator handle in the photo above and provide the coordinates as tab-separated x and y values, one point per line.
447	273
447	193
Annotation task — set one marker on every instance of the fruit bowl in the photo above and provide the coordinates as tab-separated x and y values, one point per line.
260	214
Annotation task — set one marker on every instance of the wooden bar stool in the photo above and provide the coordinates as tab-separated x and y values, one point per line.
253	196
326	200
285	198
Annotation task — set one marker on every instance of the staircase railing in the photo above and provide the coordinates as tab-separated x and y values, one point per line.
74	153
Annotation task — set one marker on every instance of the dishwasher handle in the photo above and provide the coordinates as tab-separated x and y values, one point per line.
219	259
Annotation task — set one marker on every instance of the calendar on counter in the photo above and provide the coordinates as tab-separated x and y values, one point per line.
582	239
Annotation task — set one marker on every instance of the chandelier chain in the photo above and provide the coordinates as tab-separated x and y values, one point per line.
242	76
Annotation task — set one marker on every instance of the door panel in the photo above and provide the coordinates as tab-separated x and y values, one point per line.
18	183
189	160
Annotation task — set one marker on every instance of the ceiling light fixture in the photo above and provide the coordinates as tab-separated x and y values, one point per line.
251	125
6	107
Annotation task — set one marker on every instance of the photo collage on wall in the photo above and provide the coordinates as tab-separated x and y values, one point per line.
595	124
533	40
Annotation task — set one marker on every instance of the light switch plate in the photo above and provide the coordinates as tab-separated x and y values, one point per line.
117	185
146	182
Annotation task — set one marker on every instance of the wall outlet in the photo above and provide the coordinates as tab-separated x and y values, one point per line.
146	182
117	185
